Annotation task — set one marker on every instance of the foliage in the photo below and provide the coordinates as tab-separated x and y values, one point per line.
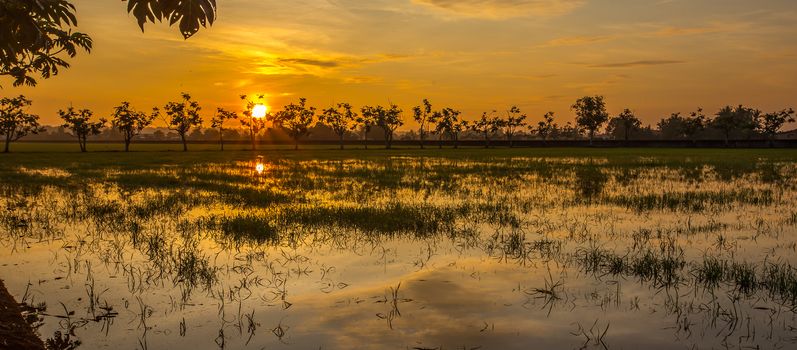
340	119
217	122
624	124
389	119
448	123
546	127
424	116
182	116
514	121
365	122
295	119
255	125
730	119
36	37
15	123
79	122
486	126
190	13
770	123
590	114
130	122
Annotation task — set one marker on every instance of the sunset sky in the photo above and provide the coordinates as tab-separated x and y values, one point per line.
653	56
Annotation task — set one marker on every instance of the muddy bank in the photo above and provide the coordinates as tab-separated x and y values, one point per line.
15	333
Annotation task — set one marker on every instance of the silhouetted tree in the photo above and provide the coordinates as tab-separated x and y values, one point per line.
546	128
513	122
770	123
190	13
447	121
295	119
730	119
458	128
389	119
694	124
130	122
424	116
36	37
217	122
254	124
340	119
624	124
486	126
365	122
182	116
590	114
79	122
15	123
570	131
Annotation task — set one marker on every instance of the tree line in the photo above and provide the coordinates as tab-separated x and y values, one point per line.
297	120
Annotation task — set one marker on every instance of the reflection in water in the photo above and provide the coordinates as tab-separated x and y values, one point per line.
407	253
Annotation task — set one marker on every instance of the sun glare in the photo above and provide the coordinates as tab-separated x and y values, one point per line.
259	111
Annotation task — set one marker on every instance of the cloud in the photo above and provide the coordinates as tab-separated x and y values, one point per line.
632	64
577	40
309	62
501	9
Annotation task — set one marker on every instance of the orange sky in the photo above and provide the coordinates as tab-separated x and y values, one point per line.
653	56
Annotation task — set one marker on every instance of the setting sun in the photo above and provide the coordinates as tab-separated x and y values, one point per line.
259	111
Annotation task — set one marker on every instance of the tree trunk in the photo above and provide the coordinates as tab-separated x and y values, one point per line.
511	145
591	135
221	139
341	141
296	144
252	136
185	144
127	144
366	139
422	136
456	141
8	141
440	142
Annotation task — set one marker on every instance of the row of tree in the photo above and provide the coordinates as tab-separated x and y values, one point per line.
296	120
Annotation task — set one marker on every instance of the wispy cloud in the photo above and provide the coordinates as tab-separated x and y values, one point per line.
577	40
632	64
500	9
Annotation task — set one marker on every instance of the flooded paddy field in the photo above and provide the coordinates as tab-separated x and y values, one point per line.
404	249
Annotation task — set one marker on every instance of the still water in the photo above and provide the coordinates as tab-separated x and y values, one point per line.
406	252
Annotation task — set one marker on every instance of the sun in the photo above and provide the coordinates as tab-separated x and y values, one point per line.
259	111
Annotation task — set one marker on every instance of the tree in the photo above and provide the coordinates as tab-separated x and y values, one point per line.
340	119
770	123
130	122
590	114
514	121
624	124
190	13
295	120
182	116
389	119
424	116
79	122
487	125
217	122
365	122
546	127
254	125
730	119
447	123
36	37
15	123
694	124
